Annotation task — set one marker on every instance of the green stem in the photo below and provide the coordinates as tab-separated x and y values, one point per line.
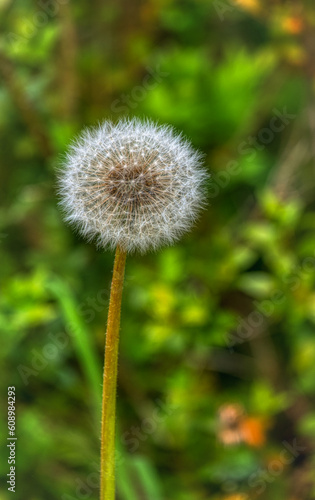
110	380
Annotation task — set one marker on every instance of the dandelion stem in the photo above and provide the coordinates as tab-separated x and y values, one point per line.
110	380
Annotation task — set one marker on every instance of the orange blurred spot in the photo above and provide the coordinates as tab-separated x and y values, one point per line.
293	25
253	431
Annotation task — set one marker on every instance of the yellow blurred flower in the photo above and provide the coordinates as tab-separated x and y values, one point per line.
236	496
195	314
163	298
252	6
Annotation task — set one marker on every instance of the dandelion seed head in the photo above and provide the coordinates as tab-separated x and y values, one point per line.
134	184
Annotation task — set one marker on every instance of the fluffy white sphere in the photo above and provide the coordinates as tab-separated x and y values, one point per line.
134	184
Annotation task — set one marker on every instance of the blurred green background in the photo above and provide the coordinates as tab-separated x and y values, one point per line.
217	371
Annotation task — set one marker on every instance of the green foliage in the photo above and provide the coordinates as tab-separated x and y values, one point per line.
222	322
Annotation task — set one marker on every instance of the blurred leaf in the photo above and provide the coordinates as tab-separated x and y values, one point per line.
80	336
257	284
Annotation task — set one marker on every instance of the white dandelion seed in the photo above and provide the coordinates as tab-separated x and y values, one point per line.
133	184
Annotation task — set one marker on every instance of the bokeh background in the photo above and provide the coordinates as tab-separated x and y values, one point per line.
217	371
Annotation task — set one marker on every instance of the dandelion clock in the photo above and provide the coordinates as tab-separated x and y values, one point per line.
130	186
